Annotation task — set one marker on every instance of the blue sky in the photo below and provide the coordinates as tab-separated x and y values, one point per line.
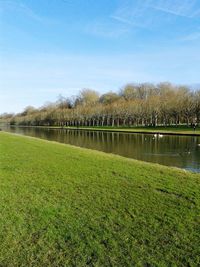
52	47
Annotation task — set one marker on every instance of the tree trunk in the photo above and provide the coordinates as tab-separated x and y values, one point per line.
102	122
113	122
108	121
117	122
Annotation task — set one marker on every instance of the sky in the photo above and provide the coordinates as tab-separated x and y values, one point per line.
58	47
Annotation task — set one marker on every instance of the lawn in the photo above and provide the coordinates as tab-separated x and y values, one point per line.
67	206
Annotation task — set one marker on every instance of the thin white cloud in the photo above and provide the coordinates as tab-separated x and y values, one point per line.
147	13
18	6
183	8
132	13
170	11
127	21
30	13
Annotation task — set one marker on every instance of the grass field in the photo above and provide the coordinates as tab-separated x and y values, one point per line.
159	129
68	206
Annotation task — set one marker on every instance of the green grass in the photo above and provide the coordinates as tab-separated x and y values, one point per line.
68	206
159	129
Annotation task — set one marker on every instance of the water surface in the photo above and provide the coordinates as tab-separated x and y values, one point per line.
178	151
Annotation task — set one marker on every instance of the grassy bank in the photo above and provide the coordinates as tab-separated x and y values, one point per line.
67	206
173	130
180	130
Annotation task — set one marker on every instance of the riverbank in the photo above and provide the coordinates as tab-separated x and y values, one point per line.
146	130
181	130
64	205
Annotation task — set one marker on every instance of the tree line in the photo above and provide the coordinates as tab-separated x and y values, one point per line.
143	104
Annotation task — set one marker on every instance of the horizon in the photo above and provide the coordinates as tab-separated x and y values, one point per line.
63	46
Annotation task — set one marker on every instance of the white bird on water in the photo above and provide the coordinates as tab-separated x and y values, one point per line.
158	135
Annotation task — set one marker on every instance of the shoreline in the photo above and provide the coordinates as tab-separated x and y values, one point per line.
123	130
135	131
